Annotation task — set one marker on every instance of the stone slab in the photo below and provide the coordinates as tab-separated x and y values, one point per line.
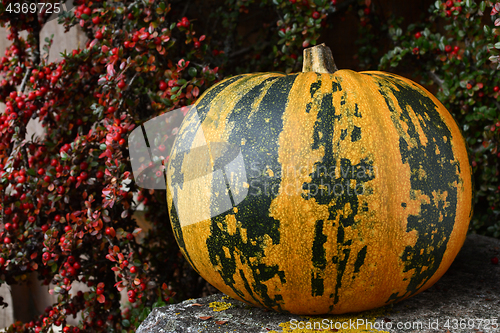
466	299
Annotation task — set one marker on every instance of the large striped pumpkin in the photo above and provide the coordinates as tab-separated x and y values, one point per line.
326	191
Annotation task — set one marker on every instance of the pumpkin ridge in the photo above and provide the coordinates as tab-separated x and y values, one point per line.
258	134
425	264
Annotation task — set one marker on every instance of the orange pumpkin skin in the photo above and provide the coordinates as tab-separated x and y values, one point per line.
293	250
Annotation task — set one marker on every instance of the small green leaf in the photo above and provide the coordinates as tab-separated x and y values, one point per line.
487	29
482	6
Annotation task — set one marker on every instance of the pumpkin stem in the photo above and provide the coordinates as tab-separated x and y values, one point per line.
319	59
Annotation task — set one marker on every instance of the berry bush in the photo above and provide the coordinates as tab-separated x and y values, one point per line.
68	199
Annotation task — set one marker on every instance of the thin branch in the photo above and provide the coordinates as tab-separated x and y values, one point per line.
246	49
498	105
184	11
126	90
436	79
25	159
25	79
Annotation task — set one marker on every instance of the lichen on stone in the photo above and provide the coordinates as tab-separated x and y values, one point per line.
220	306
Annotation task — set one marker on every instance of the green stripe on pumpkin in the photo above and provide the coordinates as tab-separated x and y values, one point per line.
437	154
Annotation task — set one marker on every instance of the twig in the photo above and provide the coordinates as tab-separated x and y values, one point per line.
25	159
25	79
128	87
498	105
436	79
185	8
245	50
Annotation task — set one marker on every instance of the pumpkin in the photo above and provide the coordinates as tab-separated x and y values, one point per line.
326	191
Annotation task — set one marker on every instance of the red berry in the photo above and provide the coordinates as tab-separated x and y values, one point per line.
96	20
84	165
496	88
98	34
163	85
447	48
87	11
99	174
71	271
185	22
45	228
449	3
2	261
77	265
133	270
45	256
494	261
131	293
416	50
367	11
6	240
121	84
418	35
316	15
197	45
65	149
